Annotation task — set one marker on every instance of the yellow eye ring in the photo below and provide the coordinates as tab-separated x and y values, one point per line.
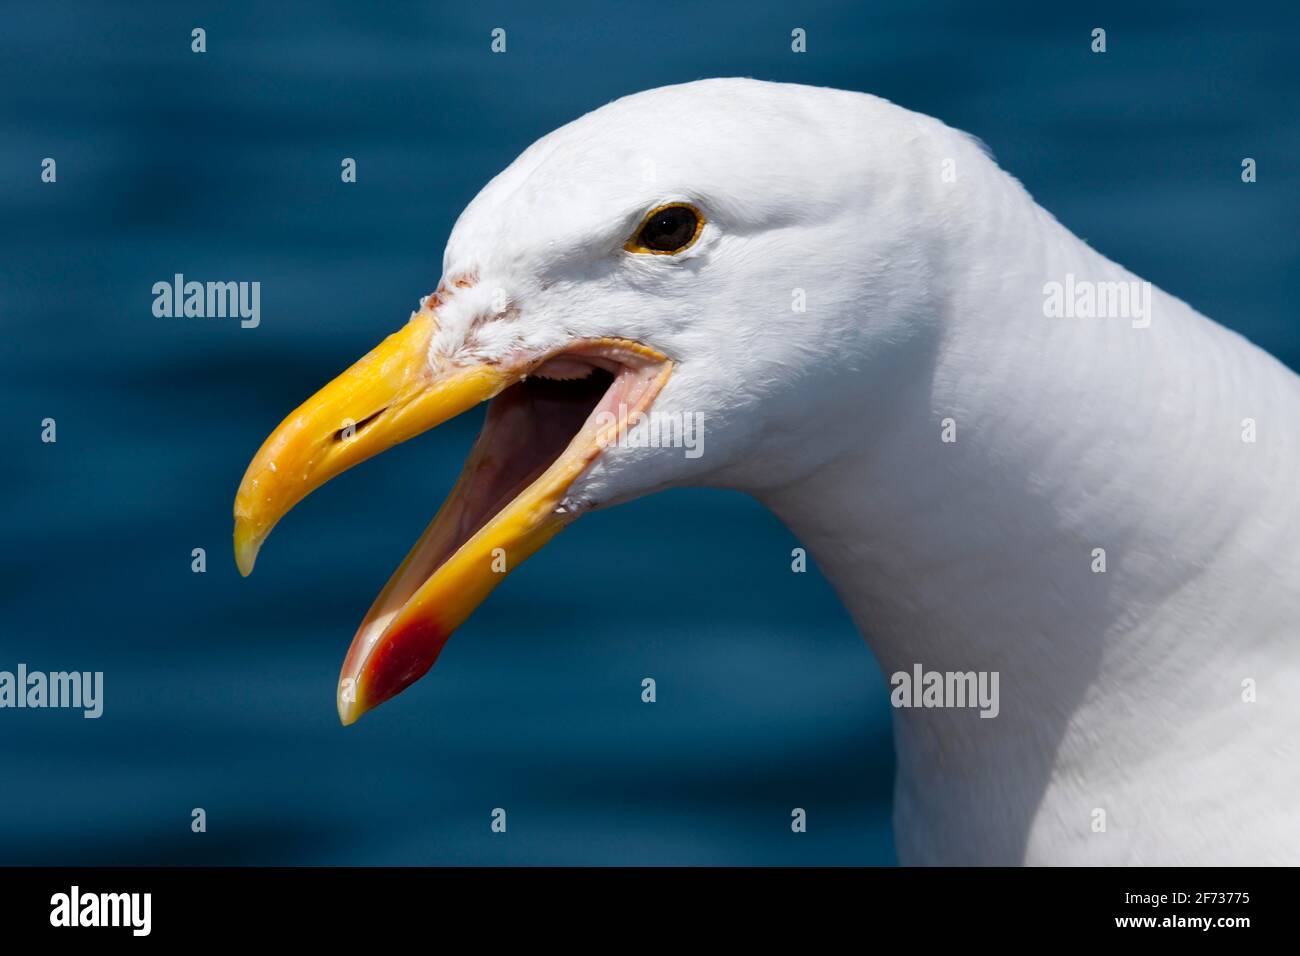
667	230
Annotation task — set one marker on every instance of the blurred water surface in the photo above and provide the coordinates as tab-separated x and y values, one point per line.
219	691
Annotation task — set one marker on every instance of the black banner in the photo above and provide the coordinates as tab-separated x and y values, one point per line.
206	905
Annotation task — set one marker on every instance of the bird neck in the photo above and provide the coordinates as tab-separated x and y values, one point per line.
1065	502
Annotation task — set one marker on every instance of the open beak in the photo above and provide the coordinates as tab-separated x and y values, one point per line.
551	415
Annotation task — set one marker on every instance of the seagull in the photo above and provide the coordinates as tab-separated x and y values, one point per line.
1009	455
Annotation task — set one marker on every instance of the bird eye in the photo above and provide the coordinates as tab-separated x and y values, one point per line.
667	229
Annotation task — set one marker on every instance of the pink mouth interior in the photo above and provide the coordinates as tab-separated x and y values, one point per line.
528	427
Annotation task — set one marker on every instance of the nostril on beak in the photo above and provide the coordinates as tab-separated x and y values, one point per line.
351	431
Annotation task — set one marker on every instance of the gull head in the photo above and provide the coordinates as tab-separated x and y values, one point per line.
695	285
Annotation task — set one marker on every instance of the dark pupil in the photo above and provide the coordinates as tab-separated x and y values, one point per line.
669	230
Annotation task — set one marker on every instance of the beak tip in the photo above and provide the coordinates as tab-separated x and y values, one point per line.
246	548
349	710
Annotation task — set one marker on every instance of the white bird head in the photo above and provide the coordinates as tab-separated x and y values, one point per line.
722	264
